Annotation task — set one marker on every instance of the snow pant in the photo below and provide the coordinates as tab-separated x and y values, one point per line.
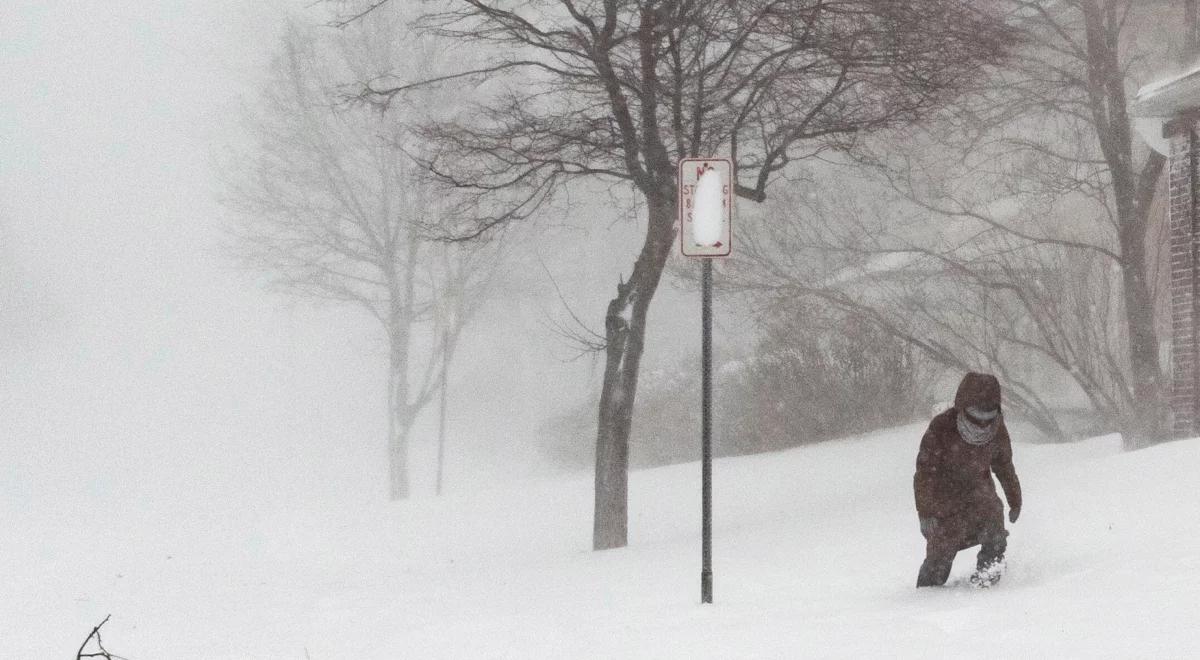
981	525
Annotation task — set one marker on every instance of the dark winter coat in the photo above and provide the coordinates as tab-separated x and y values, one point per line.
953	481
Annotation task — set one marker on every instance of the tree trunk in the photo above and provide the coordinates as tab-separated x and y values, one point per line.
441	450
1149	414
398	324
1192	25
625	329
399	422
1110	112
1145	422
398	463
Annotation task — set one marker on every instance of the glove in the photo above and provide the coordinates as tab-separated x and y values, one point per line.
1014	513
928	526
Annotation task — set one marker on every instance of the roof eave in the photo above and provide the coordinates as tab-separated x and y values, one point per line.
1170	99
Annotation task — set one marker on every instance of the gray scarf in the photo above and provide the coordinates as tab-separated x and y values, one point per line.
977	435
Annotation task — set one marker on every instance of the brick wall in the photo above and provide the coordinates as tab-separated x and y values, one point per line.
1184	239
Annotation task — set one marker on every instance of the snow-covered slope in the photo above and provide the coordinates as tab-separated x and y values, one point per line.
816	552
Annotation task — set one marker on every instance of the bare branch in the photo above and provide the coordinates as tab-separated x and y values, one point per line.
342	23
101	652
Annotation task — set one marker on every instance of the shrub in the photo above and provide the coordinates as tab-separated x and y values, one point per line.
802	382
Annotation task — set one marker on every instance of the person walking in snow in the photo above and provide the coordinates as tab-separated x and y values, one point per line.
956	500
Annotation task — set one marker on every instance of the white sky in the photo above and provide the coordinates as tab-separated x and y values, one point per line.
137	361
134	357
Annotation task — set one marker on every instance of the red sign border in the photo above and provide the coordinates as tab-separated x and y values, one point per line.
728	207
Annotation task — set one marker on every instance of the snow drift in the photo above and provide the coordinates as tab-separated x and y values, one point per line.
816	552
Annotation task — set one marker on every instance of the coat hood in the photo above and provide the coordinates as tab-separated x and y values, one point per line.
978	390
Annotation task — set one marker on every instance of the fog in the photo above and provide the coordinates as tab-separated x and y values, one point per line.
142	368
205	457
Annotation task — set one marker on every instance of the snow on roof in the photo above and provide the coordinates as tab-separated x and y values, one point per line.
1150	88
1169	95
887	262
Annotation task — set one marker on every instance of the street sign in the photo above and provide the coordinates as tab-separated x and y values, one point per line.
706	207
705	219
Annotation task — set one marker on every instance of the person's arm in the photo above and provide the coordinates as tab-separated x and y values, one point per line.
925	481
1002	465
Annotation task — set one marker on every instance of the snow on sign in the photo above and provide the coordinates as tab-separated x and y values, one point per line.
706	207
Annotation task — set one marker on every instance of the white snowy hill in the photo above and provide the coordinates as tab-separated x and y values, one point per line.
816	552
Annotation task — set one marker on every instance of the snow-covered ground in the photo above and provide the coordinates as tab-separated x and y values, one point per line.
816	552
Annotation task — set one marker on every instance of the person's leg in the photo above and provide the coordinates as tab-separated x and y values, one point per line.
994	544
993	541
993	538
941	545
935	570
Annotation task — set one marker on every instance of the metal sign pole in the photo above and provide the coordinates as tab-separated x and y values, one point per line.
706	577
705	224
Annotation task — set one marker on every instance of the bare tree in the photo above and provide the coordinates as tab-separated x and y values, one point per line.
329	204
1038	171
621	89
968	298
1073	80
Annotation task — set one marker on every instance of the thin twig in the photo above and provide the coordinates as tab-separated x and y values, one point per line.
587	341
341	23
103	652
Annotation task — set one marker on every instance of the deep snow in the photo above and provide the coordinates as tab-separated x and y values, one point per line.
816	551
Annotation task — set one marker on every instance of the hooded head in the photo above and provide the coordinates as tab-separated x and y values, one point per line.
981	391
978	404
